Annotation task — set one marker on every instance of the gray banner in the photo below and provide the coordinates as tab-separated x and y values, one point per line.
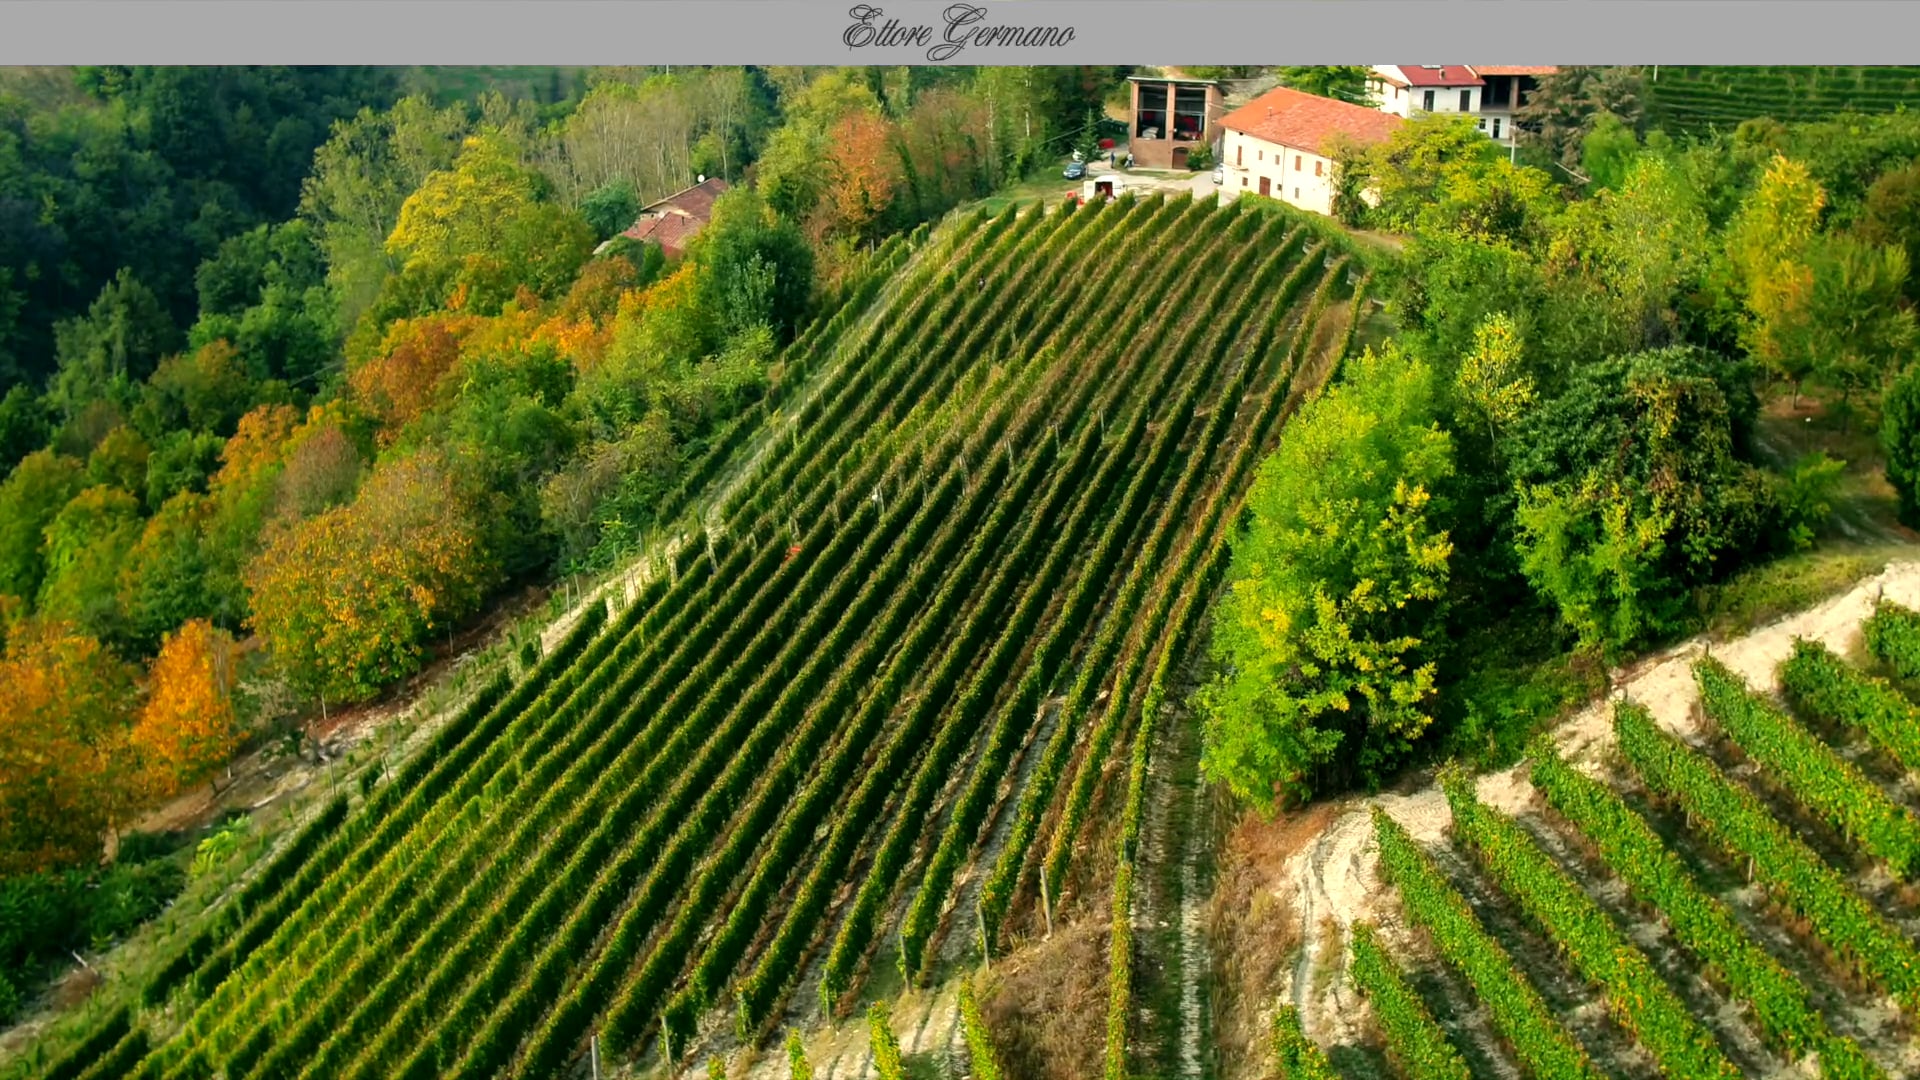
994	32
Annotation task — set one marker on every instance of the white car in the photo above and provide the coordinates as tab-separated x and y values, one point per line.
1220	173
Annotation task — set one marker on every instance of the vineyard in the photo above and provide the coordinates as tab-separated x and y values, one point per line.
1707	875
874	716
1692	99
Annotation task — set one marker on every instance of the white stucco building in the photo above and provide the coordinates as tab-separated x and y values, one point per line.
1491	94
1281	144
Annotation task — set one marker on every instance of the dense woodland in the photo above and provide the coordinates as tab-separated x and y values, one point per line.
303	370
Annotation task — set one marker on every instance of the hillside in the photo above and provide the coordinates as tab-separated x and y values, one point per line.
776	771
1705	876
1691	99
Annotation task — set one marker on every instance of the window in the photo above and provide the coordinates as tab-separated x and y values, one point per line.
1238	151
1243	181
1296	163
1466	101
1427	101
1296	193
1263	155
1318	164
1496	127
1481	123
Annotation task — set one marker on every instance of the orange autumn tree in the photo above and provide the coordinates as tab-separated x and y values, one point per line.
347	599
866	174
188	727
65	765
401	381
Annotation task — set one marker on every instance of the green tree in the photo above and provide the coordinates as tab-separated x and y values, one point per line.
755	269
33	494
1594	549
1327	637
164	581
1899	439
24	425
87	543
1892	217
1860	329
115	345
1632	491
1569	103
610	209
1345	83
1607	151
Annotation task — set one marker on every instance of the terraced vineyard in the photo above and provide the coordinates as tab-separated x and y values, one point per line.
845	730
1685	99
1719	892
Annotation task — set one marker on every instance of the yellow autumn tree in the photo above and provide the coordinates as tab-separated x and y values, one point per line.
65	769
1769	243
347	599
188	728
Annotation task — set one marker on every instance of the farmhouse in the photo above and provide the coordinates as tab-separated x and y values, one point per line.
674	221
1282	144
1490	93
1170	117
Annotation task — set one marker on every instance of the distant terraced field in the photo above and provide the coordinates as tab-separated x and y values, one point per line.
848	729
1694	99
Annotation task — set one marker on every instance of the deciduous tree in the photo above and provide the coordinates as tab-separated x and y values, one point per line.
188	728
64	767
1328	634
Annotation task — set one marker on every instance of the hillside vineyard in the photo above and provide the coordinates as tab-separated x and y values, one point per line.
847	725
1770	802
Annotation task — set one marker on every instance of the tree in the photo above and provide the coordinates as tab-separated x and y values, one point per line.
865	175
755	269
610	209
87	544
347	599
1632	492
1900	439
188	727
1345	83
403	380
1607	151
164	582
1769	243
1327	637
33	494
117	344
795	171
1492	381
64	766
24	425
1859	327
360	177
1594	549
1568	104
1892	217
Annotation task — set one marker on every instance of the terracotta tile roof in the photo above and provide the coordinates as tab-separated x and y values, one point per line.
1514	69
1444	75
670	231
696	200
1307	121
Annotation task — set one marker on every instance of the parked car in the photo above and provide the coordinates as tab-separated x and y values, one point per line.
1220	173
1075	170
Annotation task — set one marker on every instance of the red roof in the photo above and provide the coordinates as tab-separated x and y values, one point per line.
1307	121
670	231
674	220
1514	69
696	200
1440	75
